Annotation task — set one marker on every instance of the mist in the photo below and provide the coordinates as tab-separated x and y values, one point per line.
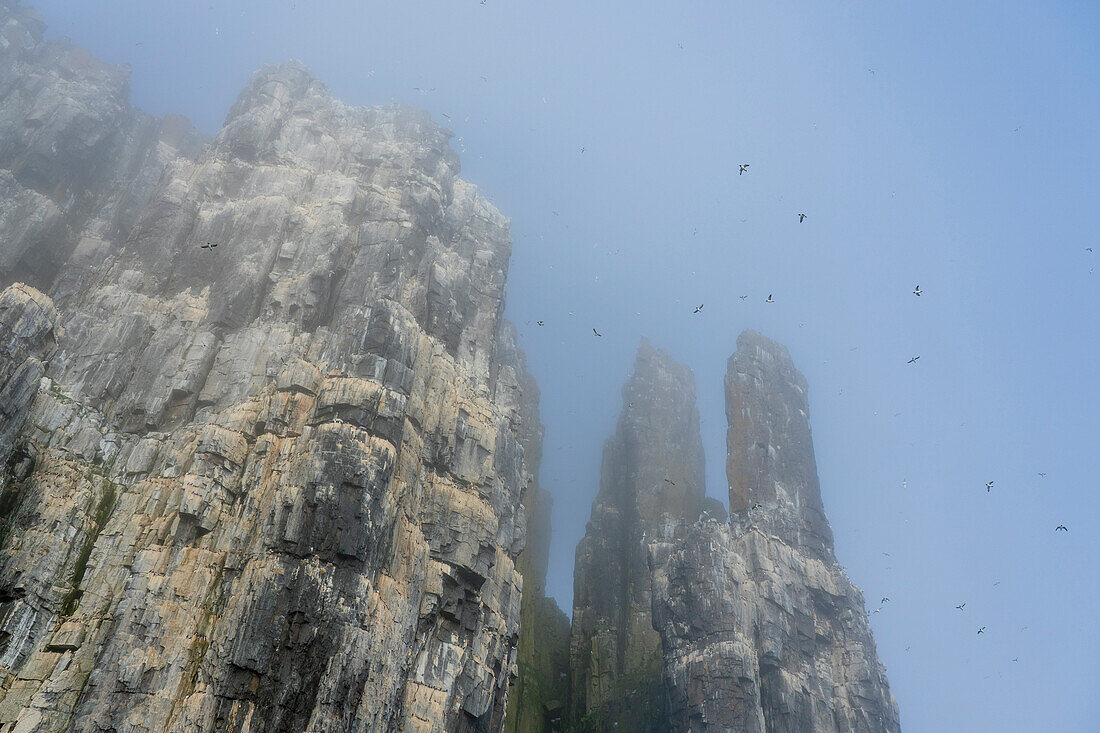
950	146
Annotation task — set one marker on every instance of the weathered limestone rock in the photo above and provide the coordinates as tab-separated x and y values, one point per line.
653	474
29	329
276	485
77	162
761	628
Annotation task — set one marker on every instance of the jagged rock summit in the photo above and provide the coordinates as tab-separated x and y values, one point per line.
761	629
653	473
684	621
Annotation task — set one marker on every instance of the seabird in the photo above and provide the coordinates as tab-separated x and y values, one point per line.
208	245
698	309
917	291
596	332
539	323
1042	474
988	486
744	297
670	481
884	600
582	148
981	630
1061	528
801	218
769	300
961	606
912	360
744	167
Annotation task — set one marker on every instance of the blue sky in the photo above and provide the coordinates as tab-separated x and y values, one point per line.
950	144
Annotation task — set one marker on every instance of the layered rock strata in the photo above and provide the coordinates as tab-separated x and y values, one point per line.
653	474
269	486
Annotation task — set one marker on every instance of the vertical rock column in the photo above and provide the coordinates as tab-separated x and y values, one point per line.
653	473
761	628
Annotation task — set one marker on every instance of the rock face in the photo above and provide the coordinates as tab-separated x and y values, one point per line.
77	162
653	474
29	328
761	628
269	486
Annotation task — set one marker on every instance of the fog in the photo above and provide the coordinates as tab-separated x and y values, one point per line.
941	144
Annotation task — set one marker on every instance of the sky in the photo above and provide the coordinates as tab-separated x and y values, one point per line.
948	144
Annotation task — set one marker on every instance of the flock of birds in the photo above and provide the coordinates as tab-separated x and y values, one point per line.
802	216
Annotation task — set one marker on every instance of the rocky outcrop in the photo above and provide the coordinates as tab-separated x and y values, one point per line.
653	474
273	485
761	628
77	162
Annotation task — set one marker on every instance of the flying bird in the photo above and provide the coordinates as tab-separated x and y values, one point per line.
1061	528
961	606
912	360
596	332
582	148
744	297
1042	474
1015	659
801	218
981	630
917	291
769	300
539	323
744	167
698	309
669	481
884	600
988	486
208	245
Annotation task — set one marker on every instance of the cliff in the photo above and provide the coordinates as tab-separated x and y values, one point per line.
684	621
269	452
761	628
272	485
652	473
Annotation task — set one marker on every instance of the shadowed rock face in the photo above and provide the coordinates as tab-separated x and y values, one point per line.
761	629
29	328
271	486
653	471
